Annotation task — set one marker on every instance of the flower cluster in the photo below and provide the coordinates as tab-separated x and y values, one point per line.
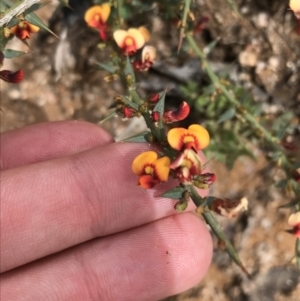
21	30
179	156
129	41
186	167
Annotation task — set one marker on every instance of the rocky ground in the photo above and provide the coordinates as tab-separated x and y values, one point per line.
263	51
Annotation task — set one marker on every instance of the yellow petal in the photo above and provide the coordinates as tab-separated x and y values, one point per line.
146	34
162	168
13	29
148	54
295	5
137	36
105	11
102	10
33	28
294	219
119	36
194	160
201	135
142	159
175	137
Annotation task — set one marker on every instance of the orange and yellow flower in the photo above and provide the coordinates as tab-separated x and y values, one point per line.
186	166
23	30
131	40
195	137
151	169
96	17
294	222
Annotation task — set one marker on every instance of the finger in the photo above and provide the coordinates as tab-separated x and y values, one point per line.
146	263
41	142
53	205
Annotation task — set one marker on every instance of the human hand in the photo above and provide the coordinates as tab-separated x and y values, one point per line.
75	225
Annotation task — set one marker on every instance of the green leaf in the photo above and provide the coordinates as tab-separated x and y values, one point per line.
234	7
175	193
34	7
296	165
211	46
3	39
35	20
111	115
227	115
281	184
14	21
160	106
3	8
218	231
10	53
109	68
130	103
289	204
208	200
139	138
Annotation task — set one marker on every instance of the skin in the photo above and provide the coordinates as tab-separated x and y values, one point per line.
75	226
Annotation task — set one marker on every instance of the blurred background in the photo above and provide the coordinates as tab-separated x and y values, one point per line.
258	57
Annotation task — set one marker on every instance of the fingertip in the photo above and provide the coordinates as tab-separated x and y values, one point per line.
194	251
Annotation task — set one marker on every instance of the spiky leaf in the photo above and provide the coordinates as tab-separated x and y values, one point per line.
10	53
175	193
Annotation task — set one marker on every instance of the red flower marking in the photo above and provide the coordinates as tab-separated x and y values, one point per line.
12	77
181	113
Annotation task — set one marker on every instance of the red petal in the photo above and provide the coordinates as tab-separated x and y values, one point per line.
181	113
12	77
147	181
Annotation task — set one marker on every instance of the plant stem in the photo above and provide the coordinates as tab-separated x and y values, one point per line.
232	99
119	8
197	199
183	22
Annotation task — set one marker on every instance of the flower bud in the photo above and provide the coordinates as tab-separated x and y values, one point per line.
204	181
181	205
129	80
155	116
154	98
129	112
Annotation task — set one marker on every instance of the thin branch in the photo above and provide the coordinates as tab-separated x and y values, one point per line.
17	9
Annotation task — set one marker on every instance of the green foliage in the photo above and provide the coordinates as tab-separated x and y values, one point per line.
10	53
